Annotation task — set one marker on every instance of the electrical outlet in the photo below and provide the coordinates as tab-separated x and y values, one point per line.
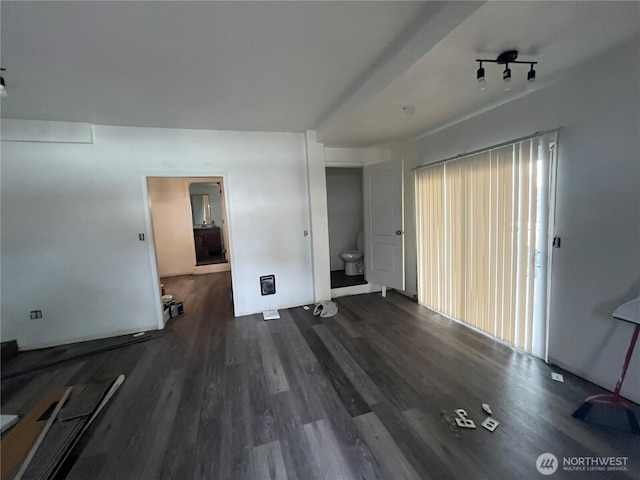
35	314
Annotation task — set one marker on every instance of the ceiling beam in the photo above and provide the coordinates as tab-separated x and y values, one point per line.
437	20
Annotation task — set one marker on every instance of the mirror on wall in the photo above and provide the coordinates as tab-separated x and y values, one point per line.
200	209
208	223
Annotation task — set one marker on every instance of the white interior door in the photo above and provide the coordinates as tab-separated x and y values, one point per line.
384	225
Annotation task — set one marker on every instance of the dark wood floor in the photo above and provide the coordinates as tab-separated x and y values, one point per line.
340	279
358	395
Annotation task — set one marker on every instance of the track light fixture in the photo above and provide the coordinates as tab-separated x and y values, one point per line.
482	82
505	58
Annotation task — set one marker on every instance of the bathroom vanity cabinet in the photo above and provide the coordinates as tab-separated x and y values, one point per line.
208	239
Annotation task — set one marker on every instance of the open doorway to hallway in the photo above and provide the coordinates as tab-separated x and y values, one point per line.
345	217
189	224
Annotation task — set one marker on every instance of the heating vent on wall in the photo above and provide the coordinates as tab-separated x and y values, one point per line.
268	284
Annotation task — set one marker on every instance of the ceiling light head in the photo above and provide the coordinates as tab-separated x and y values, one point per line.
531	76
3	88
482	82
506	75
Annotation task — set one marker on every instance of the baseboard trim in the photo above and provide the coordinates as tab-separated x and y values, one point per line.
38	346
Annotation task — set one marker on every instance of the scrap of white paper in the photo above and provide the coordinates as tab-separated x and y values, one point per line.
270	314
557	377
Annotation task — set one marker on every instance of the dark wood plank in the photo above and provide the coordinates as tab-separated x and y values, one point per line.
359	378
235	459
338	378
273	372
260	385
326	450
268	462
296	453
393	461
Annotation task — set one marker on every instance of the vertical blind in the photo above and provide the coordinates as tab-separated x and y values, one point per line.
481	227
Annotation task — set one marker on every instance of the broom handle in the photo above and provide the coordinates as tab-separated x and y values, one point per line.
627	360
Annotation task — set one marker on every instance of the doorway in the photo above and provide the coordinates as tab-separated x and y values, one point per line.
345	216
175	235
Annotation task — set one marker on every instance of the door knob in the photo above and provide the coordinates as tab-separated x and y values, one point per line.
398	232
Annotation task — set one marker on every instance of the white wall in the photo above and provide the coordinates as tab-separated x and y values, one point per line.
71	214
317	204
344	206
598	200
354	157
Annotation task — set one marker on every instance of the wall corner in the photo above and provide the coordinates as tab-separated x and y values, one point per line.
317	183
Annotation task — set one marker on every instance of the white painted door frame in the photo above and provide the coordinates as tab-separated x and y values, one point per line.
149	238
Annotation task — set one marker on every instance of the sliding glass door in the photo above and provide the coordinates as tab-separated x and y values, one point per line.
483	235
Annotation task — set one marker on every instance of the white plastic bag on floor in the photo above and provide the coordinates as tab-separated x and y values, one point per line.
325	309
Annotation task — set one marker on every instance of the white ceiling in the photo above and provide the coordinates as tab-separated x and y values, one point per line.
344	68
442	85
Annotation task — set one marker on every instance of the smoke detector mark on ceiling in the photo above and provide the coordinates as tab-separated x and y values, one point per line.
409	110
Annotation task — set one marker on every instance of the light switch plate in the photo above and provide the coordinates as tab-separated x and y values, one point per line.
460	412
490	424
465	423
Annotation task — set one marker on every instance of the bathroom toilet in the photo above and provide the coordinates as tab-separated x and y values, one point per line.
353	259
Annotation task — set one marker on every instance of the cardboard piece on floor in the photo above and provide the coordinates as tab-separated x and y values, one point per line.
107	397
15	445
34	448
557	377
69	427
